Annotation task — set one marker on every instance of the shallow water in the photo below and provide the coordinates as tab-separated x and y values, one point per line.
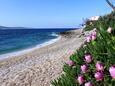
12	40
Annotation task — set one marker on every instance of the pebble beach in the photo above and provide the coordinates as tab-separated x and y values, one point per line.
39	66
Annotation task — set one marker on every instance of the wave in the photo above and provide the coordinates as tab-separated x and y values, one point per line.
54	34
21	52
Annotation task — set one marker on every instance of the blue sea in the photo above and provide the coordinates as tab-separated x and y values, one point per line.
12	40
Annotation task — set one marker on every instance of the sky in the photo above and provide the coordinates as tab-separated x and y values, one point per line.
49	13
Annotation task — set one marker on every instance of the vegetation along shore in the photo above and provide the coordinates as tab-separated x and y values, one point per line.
93	64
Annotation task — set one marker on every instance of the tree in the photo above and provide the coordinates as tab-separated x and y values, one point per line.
111	5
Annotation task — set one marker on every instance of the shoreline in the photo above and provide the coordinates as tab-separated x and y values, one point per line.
27	50
39	67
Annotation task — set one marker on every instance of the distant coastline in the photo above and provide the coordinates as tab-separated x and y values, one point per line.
5	27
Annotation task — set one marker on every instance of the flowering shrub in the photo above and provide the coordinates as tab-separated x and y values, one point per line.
94	63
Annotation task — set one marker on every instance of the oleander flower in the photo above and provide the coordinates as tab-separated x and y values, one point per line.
112	71
88	58
88	84
99	66
99	76
109	30
84	68
81	79
70	62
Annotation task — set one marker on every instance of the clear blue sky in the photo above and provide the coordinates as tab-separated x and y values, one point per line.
49	13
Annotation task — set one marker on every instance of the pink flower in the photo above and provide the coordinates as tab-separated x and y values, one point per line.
99	66
94	33
99	76
70	62
93	37
84	68
88	84
112	71
88	39
109	30
81	79
88	58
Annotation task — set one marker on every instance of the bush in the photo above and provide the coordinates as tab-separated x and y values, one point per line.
93	64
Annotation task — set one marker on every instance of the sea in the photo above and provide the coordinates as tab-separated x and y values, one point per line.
16	41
